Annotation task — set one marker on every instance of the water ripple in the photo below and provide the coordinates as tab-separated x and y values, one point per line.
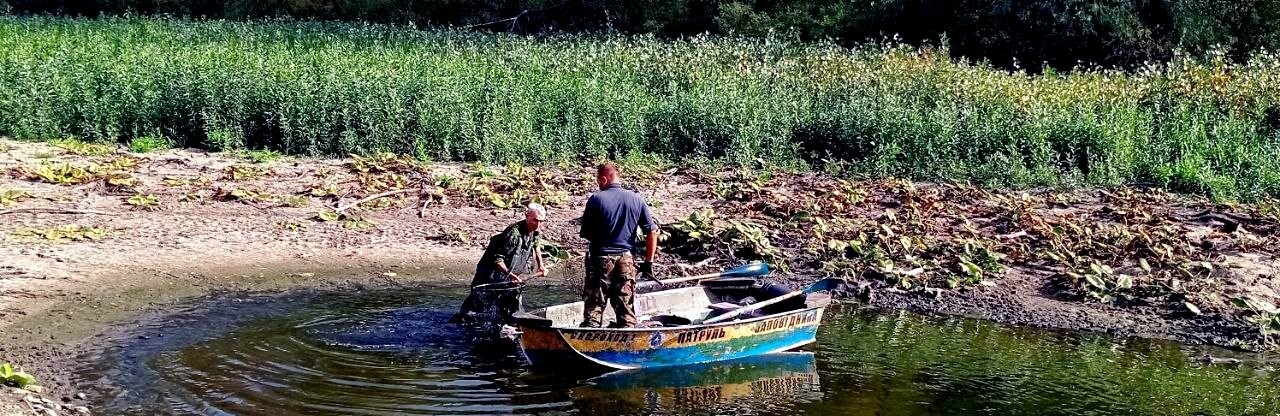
395	354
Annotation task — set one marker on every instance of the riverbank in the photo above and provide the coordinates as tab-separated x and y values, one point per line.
94	236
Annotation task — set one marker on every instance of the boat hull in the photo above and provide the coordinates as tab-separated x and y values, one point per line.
629	348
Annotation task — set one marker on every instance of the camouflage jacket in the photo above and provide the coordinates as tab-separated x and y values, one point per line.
514	248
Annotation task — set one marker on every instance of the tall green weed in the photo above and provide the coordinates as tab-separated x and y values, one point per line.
1207	126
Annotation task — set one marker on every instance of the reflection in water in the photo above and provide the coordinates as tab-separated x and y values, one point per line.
771	380
387	353
903	364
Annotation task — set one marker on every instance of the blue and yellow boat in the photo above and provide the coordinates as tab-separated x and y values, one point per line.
671	333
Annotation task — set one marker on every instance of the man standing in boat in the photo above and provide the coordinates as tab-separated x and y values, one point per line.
507	258
610	223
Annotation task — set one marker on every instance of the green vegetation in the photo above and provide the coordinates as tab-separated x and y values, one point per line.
704	231
17	378
12	196
147	144
259	156
145	202
1206	126
241	173
1057	32
60	234
1123	246
1261	313
116	173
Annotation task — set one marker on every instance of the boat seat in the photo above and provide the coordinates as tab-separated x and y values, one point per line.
722	307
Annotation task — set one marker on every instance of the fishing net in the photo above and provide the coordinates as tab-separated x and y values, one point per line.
496	305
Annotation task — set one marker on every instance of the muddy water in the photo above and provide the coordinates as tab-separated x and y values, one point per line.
390	352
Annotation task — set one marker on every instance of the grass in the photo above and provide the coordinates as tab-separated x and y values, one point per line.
259	156
147	144
1208	127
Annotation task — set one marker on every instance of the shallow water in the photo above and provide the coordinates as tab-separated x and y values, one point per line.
391	353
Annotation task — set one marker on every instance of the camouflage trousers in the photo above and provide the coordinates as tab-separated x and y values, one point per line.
614	278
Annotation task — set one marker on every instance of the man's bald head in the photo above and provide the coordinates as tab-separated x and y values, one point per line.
607	173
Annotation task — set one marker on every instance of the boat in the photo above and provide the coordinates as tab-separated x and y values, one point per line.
671	331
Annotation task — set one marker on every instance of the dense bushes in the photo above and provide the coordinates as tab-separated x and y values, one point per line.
310	88
1123	33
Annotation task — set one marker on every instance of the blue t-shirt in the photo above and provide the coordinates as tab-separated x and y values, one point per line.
610	220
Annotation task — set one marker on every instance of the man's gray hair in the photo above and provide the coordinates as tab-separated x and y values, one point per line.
539	212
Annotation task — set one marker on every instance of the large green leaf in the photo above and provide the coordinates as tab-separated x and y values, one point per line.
23	380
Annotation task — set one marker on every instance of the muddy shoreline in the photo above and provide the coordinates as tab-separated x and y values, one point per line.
62	329
224	223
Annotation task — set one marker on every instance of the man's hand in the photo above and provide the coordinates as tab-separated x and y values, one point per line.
515	277
645	268
541	272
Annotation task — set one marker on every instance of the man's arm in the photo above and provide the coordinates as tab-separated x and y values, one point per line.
509	245
537	254
651	232
588	225
651	245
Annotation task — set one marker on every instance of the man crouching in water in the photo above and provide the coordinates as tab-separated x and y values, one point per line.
609	225
507	259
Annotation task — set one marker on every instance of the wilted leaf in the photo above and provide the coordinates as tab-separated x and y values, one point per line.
94	233
125	181
328	216
358	224
11	196
1096	281
1124	282
497	201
